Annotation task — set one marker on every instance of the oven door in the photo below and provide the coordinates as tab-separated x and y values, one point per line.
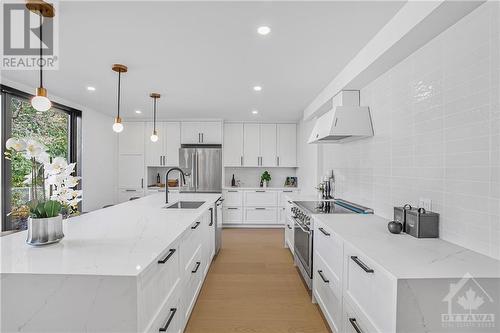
303	247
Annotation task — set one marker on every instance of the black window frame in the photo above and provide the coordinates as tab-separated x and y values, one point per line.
75	144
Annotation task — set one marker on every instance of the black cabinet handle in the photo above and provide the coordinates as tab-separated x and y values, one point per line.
211	216
325	280
260	191
287	191
232	208
170	254
324	232
355	325
233	191
169	320
362	264
289	226
195	225
196	267
260	208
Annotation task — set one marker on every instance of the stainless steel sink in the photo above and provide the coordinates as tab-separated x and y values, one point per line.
185	205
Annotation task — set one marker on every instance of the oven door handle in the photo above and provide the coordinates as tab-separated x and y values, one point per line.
301	227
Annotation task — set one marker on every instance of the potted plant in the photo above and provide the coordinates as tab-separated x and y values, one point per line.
52	191
265	179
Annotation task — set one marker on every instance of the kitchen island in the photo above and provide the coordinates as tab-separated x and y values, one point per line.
133	267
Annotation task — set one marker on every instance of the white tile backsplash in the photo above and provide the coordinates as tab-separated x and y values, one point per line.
436	118
250	177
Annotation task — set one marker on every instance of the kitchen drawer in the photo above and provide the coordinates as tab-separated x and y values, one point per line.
232	215
289	235
261	198
330	247
282	201
233	198
194	279
328	292
169	316
261	215
370	289
157	282
190	243
282	215
355	321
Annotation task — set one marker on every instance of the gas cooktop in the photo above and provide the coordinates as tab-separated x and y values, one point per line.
336	206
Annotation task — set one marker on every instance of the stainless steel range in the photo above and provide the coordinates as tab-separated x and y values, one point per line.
302	212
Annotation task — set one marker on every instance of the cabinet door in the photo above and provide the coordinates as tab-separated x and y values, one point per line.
287	145
131	171
211	132
131	140
251	143
172	134
268	145
233	145
190	132
153	151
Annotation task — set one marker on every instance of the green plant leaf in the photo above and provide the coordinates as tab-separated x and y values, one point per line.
52	208
40	210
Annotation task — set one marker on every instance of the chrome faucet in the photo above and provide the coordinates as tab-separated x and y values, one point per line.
166	180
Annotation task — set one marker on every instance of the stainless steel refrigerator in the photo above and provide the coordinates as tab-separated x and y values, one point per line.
203	163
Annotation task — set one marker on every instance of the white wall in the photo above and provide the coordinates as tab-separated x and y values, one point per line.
436	118
307	157
99	152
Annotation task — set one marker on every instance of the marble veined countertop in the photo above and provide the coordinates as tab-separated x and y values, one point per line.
120	240
404	256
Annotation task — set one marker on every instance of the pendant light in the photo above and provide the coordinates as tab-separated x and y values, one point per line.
154	136
40	102
118	126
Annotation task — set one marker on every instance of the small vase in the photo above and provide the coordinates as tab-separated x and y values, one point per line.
44	231
264	184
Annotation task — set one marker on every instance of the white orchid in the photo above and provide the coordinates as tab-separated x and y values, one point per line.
15	144
57	166
43	158
33	149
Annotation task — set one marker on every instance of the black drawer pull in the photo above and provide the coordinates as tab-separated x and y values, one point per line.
233	191
355	325
259	191
325	280
285	191
289	226
324	232
196	267
232	208
362	264
169	320
260	208
170	253
211	217
195	225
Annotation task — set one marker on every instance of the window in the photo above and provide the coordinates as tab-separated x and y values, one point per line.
57	129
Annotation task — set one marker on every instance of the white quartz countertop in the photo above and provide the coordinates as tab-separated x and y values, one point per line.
120	240
261	188
404	256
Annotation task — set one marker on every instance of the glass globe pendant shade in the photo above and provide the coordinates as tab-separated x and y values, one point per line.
40	102
154	137
118	126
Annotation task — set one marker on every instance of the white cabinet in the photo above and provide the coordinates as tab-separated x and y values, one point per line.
130	171
164	152
261	198
251	142
233	144
268	156
260	215
287	145
259	145
233	198
232	215
131	140
206	132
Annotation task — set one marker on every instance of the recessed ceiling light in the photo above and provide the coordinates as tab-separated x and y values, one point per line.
255	111
90	88
264	30
257	88
138	111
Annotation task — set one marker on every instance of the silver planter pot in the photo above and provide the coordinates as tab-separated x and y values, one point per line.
45	231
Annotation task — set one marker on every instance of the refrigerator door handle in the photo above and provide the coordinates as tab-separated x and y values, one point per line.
197	170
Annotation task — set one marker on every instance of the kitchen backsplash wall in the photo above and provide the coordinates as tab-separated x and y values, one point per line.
250	177
436	118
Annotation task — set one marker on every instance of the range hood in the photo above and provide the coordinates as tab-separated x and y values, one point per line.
344	121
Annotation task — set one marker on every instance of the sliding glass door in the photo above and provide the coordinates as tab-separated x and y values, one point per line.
56	128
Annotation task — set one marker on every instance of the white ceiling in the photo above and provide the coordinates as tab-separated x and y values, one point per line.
205	57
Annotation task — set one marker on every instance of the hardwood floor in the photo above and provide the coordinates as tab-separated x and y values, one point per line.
253	286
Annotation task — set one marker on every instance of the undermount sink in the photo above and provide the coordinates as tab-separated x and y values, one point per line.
185	205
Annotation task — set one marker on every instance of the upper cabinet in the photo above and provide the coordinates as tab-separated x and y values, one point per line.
131	140
233	144
259	141
287	145
204	132
268	157
165	151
